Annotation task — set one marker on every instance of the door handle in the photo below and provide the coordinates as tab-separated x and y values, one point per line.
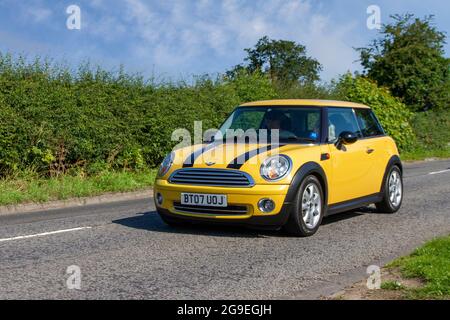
370	150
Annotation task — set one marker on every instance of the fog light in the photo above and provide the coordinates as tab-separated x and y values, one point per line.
159	198
266	205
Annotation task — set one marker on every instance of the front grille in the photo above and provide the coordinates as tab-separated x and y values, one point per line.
212	177
238	210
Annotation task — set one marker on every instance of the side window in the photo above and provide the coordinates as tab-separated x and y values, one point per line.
368	123
339	120
306	122
313	121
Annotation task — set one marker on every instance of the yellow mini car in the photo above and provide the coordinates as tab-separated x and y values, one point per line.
283	164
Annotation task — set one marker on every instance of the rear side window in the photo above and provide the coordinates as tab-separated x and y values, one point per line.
370	127
339	120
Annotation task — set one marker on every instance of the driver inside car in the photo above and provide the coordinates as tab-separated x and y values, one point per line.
277	120
273	120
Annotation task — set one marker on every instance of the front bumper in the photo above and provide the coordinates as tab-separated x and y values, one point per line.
247	197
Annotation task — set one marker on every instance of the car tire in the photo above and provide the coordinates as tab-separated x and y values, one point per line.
308	210
392	192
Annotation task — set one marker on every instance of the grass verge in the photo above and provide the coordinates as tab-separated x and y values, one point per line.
430	263
29	188
422	153
422	275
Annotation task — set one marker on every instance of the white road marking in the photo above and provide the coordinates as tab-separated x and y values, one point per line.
43	234
442	171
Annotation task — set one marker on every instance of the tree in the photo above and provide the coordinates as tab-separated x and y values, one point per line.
409	59
285	62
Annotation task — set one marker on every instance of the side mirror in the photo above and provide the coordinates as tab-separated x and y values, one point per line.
347	137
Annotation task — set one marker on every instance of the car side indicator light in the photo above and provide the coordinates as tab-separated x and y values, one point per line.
325	156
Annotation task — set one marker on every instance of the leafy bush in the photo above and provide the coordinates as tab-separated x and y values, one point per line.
307	91
393	115
57	121
432	129
12	138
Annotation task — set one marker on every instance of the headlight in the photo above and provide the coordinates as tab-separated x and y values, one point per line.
276	167
166	164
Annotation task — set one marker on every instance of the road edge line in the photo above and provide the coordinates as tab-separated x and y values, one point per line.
76	202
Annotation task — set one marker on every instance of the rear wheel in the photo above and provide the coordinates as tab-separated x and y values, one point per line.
393	192
308	210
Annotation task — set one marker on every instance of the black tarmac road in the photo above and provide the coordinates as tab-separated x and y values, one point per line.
124	251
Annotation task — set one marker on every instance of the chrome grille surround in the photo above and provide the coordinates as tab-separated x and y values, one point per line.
212	177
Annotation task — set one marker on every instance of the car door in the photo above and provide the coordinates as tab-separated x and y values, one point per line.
374	139
351	164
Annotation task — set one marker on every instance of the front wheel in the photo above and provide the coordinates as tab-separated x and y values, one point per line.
308	210
393	192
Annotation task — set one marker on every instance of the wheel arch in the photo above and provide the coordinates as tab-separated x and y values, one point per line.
393	161
307	169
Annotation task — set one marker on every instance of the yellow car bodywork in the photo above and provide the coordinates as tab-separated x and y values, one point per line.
346	175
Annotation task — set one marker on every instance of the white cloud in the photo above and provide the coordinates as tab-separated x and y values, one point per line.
330	45
39	14
142	20
174	35
34	11
109	28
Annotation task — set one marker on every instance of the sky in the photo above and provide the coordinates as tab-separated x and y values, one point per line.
176	39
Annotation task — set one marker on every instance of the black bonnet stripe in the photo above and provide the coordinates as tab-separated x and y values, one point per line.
189	162
238	162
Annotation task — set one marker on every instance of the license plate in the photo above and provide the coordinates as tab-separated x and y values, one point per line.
201	199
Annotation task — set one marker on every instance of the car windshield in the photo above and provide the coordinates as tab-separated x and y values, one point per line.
285	124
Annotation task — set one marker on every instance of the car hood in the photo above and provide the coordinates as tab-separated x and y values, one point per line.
239	156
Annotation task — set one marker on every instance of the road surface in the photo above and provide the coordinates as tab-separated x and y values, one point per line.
124	251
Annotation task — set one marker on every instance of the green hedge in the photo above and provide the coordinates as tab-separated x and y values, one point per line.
55	121
432	129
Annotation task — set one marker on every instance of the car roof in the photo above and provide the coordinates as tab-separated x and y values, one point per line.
304	102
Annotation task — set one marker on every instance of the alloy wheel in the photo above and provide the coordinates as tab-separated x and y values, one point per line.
395	188
311	205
